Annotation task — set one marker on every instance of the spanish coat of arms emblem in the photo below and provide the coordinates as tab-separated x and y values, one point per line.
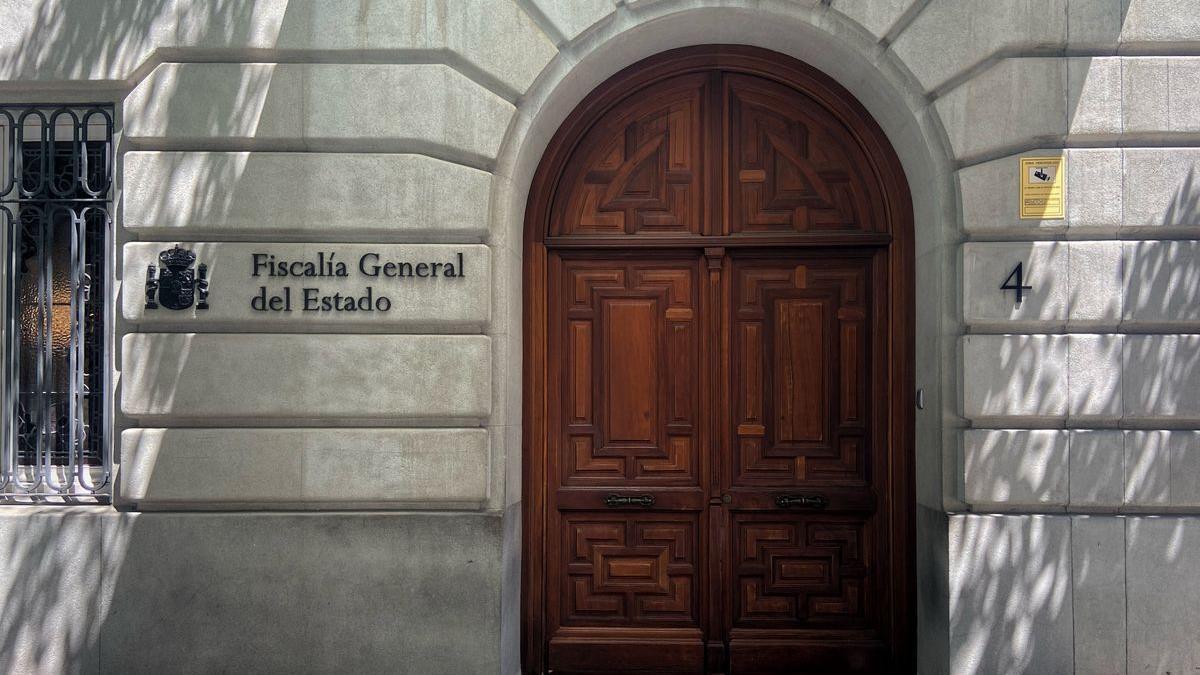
177	285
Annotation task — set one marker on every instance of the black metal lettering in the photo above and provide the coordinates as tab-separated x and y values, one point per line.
1016	282
362	264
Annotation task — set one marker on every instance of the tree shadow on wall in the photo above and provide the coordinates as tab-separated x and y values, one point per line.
1025	587
62	566
1184	209
96	590
59	568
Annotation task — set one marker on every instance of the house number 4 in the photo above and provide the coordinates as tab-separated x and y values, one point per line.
1016	282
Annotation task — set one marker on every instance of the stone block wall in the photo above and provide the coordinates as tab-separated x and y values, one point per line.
353	471
296	492
1075	506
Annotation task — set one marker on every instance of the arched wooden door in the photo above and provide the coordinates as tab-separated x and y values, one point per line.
718	424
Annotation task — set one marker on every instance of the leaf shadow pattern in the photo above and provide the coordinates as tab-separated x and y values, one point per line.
1113	591
1010	599
60	566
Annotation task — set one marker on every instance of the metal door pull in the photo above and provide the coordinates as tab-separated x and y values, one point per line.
802	501
616	501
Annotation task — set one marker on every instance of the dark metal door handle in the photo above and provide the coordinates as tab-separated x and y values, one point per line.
801	501
617	501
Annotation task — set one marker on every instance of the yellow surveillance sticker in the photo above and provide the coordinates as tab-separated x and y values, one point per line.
1043	188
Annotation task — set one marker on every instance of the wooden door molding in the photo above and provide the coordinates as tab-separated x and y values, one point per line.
677	214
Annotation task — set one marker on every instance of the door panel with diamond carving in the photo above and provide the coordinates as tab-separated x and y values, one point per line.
711	403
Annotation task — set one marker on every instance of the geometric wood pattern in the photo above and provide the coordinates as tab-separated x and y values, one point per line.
800	370
638	171
631	357
799	572
630	570
791	167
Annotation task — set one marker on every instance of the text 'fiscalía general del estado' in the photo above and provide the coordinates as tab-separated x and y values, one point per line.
327	264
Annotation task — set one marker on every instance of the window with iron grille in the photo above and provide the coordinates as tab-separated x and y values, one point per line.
55	201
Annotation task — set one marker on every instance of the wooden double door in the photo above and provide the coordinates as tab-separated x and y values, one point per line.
715	472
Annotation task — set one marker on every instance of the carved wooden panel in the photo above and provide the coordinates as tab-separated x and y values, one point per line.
630	569
639	169
792	165
630	377
801	571
800	367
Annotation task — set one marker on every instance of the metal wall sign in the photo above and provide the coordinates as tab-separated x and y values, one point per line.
1043	188
370	267
239	285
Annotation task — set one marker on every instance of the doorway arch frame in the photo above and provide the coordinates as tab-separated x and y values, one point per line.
878	77
890	180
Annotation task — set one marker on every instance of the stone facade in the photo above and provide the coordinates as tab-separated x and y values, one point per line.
303	495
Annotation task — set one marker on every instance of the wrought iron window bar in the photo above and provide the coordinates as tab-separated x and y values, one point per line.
56	183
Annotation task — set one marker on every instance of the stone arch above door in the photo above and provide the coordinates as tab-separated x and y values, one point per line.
879	81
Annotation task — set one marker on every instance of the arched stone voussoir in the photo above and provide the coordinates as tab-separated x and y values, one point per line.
566	19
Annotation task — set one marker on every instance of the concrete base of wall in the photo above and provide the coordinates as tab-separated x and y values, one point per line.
89	589
93	590
1073	593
